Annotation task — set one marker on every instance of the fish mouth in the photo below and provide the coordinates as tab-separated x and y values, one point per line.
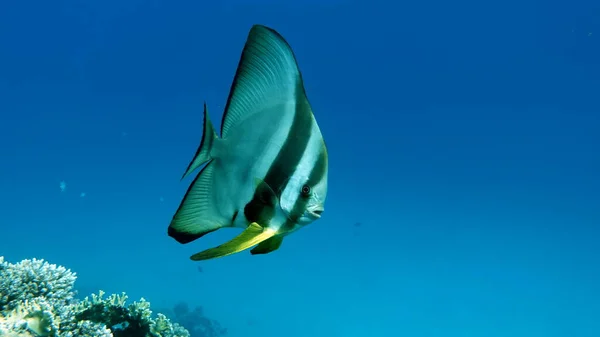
316	212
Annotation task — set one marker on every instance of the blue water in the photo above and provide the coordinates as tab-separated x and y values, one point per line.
464	146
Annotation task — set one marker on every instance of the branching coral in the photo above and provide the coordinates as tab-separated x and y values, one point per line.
37	299
35	278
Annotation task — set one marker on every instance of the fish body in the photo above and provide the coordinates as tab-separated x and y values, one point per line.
267	172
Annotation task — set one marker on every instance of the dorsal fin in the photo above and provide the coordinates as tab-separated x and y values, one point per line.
267	74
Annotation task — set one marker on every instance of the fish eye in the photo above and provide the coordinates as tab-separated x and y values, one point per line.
305	191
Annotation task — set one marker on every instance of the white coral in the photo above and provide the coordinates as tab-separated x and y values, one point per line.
37	300
29	279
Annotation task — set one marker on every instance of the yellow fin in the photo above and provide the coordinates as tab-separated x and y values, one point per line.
268	246
251	236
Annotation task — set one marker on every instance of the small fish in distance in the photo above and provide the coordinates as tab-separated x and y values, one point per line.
267	173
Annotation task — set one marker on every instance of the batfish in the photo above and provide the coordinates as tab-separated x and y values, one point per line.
267	172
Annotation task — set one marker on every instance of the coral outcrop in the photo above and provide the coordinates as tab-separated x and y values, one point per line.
37	299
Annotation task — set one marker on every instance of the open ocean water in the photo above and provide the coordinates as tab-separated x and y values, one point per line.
464	162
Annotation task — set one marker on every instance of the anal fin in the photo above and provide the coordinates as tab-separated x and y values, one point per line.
252	235
268	246
198	212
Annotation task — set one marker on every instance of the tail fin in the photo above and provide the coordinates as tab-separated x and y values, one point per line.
203	152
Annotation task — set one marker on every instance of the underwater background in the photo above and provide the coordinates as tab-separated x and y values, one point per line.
464	148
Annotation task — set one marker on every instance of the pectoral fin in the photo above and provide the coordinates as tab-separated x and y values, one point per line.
251	236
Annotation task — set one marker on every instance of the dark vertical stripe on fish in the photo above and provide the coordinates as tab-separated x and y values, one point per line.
318	171
317	174
285	163
293	148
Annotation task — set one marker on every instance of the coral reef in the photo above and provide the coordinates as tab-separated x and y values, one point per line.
37	299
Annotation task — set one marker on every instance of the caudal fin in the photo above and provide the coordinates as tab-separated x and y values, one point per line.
203	153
